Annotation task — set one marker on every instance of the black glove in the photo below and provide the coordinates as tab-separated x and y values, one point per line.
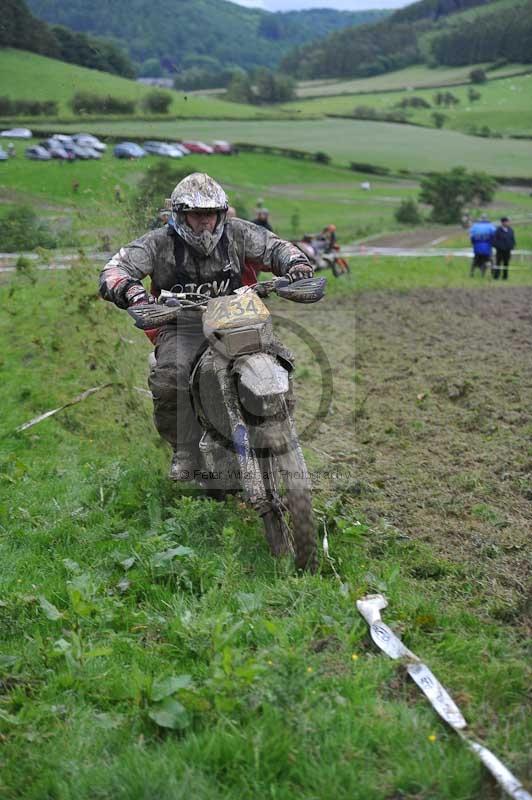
299	271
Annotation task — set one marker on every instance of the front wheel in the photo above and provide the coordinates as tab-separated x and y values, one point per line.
340	267
290	525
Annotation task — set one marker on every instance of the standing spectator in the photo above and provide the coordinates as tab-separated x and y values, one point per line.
11	150
481	234
262	219
504	243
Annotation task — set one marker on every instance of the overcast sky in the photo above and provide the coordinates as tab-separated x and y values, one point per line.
342	5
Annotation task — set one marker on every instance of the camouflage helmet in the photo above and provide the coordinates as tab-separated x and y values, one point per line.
198	191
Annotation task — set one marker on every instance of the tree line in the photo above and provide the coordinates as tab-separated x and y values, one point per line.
21	30
396	42
209	35
504	34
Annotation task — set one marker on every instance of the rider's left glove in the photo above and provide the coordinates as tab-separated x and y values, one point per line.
299	271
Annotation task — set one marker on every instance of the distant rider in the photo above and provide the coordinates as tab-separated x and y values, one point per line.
199	250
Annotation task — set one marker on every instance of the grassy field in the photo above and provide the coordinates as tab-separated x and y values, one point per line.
301	196
410	77
127	674
28	76
389	145
504	106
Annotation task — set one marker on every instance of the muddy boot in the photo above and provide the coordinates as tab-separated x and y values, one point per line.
183	466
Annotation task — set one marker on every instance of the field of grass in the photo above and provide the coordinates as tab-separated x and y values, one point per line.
28	76
410	77
389	145
301	196
504	106
126	673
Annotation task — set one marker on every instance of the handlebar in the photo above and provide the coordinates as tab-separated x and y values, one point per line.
165	311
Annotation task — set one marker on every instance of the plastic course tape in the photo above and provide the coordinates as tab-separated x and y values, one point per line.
370	608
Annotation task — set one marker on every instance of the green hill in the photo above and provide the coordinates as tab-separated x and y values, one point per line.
501	105
435	32
25	75
20	29
206	33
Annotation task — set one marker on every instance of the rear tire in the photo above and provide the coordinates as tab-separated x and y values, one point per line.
290	525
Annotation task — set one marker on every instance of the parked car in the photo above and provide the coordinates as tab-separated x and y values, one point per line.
162	149
199	147
128	150
181	146
37	153
88	140
80	152
223	147
17	133
62	137
3	155
57	150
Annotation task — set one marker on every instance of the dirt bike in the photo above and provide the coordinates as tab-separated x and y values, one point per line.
322	258
242	395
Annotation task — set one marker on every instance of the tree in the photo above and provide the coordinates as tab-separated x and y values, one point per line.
157	102
473	95
239	90
477	76
449	192
438	118
408	213
151	68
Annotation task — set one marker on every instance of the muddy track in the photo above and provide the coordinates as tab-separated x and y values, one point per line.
432	421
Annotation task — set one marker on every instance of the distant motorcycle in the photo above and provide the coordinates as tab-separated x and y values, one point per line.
242	396
323	256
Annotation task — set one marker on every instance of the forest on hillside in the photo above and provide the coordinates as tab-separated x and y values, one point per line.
20	29
205	34
397	41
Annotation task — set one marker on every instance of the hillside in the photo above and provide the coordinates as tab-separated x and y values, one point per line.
443	32
22	72
500	106
207	33
20	29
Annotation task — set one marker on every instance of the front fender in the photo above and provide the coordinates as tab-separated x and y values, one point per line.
261	375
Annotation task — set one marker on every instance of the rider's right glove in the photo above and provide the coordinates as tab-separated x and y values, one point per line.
299	271
136	293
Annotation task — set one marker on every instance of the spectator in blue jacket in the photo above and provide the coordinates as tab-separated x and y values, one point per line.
481	234
504	243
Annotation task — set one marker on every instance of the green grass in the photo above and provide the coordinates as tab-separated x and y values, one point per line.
504	106
287	697
415	77
316	193
28	76
389	145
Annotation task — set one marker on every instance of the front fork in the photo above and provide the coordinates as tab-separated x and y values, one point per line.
251	478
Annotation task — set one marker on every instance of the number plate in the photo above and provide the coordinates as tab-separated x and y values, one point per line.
235	310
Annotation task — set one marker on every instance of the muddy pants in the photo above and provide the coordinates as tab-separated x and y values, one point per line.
175	351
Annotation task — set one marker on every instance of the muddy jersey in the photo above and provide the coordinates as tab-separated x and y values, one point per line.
174	265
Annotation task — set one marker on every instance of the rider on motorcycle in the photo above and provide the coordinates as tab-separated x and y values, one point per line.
199	250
